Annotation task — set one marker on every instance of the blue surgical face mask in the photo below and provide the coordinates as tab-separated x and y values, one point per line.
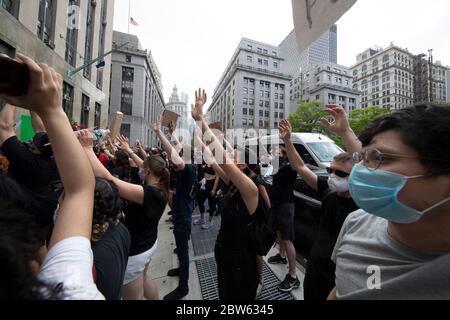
376	192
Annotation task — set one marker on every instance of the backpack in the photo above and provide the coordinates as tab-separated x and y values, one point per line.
261	231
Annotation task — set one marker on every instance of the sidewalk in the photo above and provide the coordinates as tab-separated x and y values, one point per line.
202	269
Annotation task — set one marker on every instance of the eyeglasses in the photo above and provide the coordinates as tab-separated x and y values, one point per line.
372	159
339	173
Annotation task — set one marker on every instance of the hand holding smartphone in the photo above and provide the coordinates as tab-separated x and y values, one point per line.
14	77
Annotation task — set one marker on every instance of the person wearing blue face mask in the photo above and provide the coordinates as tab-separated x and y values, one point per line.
398	245
337	204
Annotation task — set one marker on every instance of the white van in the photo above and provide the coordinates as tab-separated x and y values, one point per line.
315	149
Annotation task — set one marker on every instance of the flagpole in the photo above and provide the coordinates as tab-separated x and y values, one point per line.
129	15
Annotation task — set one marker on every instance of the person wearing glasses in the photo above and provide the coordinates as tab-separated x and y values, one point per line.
398	245
337	204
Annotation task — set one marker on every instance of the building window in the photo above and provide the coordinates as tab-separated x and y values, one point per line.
251	112
249	59
12	6
275	65
261	113
244	122
281	115
244	111
266	63
127	90
90	21
68	99
250	122
103	24
245	101
249	47
46	21
98	114
251	102
85	102
260	61
72	37
125	130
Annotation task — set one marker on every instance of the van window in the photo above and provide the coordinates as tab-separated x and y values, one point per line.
307	158
325	151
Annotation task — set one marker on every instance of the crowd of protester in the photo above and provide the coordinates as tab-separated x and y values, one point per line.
79	216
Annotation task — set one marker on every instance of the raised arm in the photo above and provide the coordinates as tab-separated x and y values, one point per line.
341	127
127	191
210	160
44	97
245	185
296	161
170	150
173	138
36	122
125	146
6	123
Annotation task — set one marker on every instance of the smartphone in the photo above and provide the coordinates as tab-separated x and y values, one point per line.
14	77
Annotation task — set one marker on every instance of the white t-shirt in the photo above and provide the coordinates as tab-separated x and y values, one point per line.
69	264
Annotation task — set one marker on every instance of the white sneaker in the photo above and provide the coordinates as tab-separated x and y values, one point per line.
207	225
199	222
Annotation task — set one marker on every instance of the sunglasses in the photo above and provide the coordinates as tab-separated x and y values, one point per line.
338	173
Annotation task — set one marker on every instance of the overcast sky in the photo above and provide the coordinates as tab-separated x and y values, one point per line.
193	40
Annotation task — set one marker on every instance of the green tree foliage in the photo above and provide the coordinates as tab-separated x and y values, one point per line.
360	118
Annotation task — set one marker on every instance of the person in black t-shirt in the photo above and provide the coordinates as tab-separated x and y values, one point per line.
146	205
33	169
283	210
110	239
237	268
337	204
182	207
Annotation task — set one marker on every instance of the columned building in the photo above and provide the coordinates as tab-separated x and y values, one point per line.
135	88
253	91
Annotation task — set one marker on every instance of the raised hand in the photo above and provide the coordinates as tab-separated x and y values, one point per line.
158	125
340	124
44	94
200	101
172	127
86	139
285	130
124	143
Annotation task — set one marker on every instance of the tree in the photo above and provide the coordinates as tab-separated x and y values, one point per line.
361	118
308	117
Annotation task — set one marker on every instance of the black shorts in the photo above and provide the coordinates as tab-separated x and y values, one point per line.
284	220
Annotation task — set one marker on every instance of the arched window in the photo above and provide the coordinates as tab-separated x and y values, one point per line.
386	58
